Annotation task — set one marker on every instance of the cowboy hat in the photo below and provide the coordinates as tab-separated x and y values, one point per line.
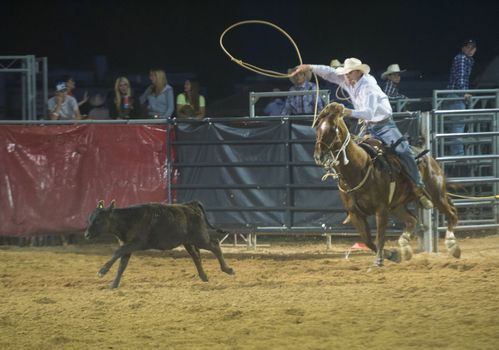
308	75
392	68
351	64
335	63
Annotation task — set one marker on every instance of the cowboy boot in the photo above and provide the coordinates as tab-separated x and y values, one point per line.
423	198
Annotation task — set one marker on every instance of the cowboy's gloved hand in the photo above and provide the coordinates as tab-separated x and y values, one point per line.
347	112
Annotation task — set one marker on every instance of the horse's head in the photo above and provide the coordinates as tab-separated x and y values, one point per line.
331	132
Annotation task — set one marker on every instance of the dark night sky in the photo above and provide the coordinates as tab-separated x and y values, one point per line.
184	36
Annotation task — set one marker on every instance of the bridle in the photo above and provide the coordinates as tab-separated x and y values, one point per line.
330	163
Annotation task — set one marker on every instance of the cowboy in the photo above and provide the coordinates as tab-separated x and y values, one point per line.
373	107
392	80
304	104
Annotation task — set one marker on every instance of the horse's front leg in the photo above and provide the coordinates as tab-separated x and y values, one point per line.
381	222
360	223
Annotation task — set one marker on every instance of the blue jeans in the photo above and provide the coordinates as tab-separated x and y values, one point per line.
388	132
456	125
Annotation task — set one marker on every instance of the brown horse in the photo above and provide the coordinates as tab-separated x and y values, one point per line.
368	190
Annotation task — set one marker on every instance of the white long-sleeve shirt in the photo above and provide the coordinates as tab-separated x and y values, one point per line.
369	101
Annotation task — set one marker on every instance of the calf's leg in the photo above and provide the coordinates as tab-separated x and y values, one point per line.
214	247
123	263
196	257
127	248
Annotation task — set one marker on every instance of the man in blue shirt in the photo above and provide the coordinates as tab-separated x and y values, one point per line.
299	105
459	79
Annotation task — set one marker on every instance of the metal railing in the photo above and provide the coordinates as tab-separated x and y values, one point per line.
28	66
254	97
482	98
476	172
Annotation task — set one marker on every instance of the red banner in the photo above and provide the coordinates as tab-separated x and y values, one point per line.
52	176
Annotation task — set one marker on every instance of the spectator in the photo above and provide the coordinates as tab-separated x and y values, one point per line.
98	108
62	106
335	93
335	63
392	81
275	106
122	103
459	79
158	97
83	105
190	104
372	106
299	105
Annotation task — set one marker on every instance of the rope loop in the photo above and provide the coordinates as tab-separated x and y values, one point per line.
263	71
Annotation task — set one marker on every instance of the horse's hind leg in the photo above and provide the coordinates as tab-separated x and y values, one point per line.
434	179
410	224
445	205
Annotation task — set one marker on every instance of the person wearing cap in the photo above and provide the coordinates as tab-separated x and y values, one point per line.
372	106
62	106
83	105
305	104
459	79
392	80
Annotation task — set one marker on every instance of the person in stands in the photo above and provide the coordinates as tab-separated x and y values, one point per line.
305	104
392	80
158	97
62	106
122	103
190	103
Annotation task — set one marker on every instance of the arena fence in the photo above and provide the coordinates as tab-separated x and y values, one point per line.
254	174
474	176
257	174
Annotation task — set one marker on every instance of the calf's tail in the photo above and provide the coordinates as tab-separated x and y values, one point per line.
219	231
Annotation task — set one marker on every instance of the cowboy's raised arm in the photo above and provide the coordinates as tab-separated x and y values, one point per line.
325	72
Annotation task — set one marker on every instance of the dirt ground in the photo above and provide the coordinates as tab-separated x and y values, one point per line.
283	296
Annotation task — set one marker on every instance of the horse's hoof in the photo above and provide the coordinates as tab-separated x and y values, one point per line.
378	263
394	256
406	252
455	251
453	248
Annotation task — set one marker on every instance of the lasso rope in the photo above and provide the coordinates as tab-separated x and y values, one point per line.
267	72
496	196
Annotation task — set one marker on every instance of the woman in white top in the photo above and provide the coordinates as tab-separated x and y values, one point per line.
373	106
190	104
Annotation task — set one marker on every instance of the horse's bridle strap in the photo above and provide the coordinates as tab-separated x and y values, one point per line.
361	183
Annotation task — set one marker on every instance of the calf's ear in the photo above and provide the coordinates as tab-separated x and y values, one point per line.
100	205
111	206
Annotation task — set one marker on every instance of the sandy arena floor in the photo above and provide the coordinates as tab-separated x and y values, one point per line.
285	296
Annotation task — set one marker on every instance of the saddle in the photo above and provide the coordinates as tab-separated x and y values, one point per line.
384	158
